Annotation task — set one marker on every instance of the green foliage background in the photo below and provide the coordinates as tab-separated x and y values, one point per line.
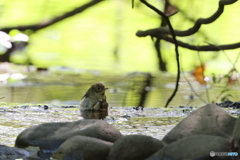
87	40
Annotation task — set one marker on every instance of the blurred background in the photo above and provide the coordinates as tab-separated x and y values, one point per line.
53	50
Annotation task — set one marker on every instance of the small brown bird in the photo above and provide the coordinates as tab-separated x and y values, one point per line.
94	98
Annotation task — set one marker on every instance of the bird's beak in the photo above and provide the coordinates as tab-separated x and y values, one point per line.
105	88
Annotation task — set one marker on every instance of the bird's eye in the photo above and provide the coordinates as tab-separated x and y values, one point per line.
98	88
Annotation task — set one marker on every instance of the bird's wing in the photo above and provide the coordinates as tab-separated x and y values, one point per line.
85	104
86	95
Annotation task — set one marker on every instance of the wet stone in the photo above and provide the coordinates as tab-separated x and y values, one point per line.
207	120
83	147
49	136
9	153
134	147
196	147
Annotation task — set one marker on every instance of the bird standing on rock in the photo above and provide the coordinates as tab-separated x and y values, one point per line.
94	98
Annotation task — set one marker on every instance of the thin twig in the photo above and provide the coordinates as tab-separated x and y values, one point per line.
230	73
166	18
233	63
207	92
224	89
237	59
228	58
236	63
192	89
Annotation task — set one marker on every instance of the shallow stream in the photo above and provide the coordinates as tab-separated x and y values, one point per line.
154	122
54	96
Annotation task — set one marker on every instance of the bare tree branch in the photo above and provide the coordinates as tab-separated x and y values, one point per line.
166	18
158	32
168	10
204	47
42	25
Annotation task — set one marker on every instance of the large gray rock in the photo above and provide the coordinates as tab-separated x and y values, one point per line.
9	153
235	139
49	136
83	148
207	120
196	147
134	147
35	157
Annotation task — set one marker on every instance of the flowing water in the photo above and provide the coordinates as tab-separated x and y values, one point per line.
54	96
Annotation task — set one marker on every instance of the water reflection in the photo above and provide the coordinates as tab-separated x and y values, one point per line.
123	90
94	114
